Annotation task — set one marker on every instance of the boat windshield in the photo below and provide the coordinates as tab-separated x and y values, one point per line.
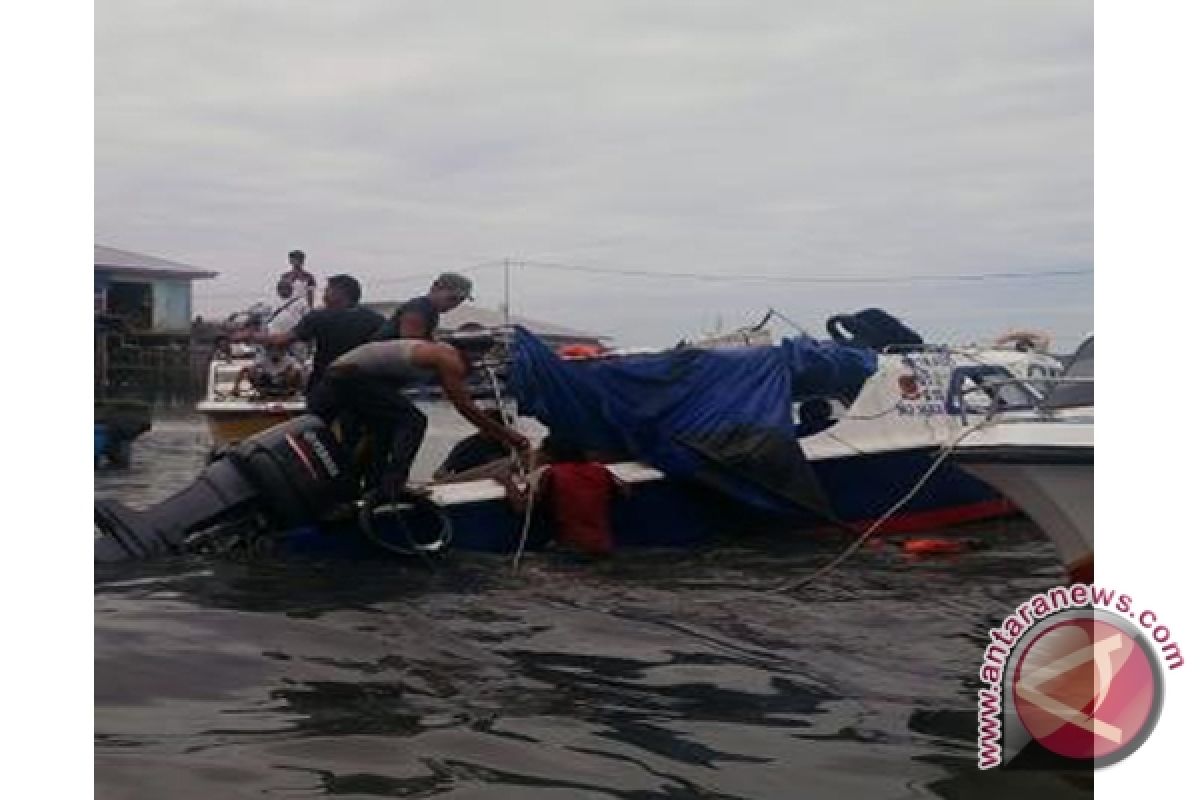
1077	390
223	377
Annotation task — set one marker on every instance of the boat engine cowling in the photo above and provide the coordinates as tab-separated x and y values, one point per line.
291	475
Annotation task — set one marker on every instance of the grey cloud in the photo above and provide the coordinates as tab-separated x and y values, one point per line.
388	138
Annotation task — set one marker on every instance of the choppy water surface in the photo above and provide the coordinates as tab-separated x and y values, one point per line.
655	675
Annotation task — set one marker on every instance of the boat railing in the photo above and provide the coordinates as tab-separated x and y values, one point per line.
1034	390
969	350
903	349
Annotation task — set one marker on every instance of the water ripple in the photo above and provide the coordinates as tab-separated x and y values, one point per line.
658	675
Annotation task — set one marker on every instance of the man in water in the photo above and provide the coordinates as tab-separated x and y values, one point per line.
366	383
338	328
418	318
303	283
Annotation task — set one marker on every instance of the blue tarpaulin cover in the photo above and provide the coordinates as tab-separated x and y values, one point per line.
722	418
827	369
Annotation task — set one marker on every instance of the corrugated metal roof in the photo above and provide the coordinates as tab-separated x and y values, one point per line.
110	258
491	318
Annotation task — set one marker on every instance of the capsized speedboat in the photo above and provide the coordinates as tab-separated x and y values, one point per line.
1038	451
800	436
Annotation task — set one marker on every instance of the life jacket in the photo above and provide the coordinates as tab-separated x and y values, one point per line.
580	495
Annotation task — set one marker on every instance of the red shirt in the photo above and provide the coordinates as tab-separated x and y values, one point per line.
580	496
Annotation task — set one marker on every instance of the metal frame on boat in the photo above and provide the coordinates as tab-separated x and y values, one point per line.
1039	452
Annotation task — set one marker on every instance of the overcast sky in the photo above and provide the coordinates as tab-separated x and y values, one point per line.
394	139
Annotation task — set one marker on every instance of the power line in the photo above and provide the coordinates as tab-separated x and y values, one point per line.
710	277
367	280
808	279
429	274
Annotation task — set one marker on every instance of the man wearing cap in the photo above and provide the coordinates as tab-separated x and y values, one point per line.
303	283
418	318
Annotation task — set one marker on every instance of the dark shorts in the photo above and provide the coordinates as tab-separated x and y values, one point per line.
370	406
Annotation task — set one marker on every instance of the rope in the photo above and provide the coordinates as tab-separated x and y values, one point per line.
530	479
899	504
366	525
531	498
513	456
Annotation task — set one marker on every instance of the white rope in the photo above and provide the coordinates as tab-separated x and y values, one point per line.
530	498
518	465
903	501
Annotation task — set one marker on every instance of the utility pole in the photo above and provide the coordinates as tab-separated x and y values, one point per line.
507	306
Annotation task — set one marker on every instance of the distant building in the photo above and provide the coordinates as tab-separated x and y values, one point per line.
143	312
148	295
471	316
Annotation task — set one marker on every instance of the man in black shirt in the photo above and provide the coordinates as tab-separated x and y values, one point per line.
338	328
418	318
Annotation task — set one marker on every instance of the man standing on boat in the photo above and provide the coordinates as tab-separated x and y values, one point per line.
418	317
338	328
292	307
366	382
303	282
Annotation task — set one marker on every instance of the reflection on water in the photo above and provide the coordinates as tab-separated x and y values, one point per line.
656	675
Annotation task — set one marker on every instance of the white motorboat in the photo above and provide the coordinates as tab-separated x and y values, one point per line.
1035	445
233	417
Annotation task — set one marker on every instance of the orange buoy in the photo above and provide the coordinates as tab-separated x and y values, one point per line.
931	547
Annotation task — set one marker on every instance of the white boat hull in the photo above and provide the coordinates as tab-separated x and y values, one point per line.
1042	460
1059	498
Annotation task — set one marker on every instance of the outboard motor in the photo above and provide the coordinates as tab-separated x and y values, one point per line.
291	474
